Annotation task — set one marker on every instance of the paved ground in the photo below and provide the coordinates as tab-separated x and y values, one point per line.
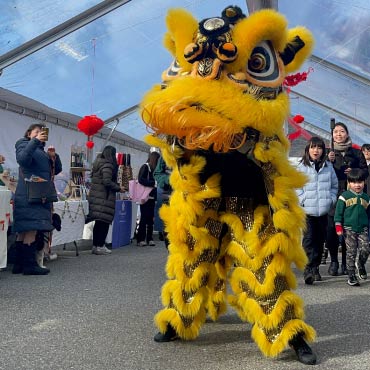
96	312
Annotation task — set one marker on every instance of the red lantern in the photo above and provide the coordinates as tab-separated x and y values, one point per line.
90	144
298	118
90	125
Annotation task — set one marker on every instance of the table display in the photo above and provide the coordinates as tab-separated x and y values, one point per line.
6	217
116	228
73	214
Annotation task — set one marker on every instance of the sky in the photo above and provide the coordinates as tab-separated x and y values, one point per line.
107	66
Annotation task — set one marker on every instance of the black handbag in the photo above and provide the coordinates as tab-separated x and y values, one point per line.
41	192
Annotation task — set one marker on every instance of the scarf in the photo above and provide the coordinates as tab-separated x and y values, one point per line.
342	147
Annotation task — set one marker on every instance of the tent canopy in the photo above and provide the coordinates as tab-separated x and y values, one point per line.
106	66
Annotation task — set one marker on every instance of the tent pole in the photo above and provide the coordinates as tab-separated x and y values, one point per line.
59	31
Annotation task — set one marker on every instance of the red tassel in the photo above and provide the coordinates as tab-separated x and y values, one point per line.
293	80
90	125
90	144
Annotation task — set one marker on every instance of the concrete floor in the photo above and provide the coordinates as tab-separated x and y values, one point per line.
96	312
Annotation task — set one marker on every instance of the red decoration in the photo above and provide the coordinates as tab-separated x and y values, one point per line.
298	118
90	125
299	131
293	80
90	144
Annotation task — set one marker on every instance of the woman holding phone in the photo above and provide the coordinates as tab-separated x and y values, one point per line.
32	221
343	157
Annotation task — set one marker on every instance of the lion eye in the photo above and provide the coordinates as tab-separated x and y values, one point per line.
257	62
262	64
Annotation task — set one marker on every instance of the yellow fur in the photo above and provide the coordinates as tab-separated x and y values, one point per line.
198	112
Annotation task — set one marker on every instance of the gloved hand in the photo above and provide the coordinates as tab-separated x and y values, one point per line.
339	231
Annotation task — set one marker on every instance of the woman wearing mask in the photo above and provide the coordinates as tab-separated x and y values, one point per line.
102	197
344	157
317	197
146	178
32	220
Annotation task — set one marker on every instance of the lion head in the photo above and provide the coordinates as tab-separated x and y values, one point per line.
227	76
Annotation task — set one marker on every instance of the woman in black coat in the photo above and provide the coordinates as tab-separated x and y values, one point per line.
102	197
344	157
32	221
146	178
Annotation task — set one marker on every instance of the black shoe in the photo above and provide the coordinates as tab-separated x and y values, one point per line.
352	279
333	269
30	265
308	276
361	270
316	274
344	269
18	259
168	336
302	350
161	236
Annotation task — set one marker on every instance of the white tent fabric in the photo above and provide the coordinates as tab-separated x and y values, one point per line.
106	66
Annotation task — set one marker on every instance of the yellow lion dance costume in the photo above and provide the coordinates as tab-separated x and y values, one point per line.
233	215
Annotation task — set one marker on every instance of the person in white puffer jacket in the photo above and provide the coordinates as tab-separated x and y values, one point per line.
316	197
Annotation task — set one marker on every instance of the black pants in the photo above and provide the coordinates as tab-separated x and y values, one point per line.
100	233
314	238
145	232
332	242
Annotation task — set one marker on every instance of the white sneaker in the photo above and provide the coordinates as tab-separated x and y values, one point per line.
141	244
151	243
102	251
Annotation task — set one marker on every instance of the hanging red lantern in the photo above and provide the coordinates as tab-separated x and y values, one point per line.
90	144
90	125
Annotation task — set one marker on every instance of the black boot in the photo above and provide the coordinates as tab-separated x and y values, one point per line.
30	265
168	336
302	350
18	258
333	268
308	275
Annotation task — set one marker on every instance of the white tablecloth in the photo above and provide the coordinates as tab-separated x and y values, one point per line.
72	213
6	216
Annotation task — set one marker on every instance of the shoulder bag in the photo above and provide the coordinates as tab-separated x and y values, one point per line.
139	193
40	191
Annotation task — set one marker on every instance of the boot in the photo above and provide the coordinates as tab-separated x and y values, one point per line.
30	265
308	276
302	350
168	336
18	259
333	268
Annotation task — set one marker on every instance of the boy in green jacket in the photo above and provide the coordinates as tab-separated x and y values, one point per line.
351	220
